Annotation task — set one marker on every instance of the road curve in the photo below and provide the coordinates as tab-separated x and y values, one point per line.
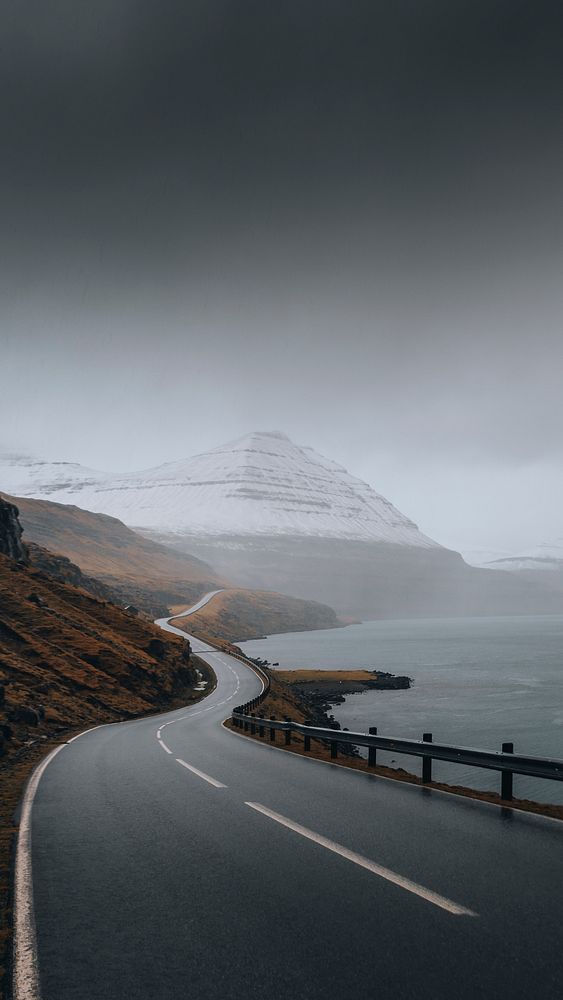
165	622
174	859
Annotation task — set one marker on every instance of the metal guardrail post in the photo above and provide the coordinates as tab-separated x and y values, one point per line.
426	761
506	761
372	751
506	776
246	724
287	732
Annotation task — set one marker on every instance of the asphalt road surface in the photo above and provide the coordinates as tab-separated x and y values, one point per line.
172	859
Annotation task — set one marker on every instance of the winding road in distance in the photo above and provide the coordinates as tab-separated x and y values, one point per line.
175	860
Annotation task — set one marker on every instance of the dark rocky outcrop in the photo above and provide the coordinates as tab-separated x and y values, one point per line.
25	714
156	648
11	544
63	569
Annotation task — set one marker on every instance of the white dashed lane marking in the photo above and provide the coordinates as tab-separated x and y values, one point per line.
358	859
201	774
190	714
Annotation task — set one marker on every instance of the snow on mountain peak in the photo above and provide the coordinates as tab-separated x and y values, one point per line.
259	484
27	475
545	556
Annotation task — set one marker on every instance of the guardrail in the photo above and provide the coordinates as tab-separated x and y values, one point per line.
264	676
505	760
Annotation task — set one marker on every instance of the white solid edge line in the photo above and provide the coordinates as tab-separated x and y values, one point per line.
201	774
26	971
370	866
92	730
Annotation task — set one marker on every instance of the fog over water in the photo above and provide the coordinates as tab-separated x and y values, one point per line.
342	220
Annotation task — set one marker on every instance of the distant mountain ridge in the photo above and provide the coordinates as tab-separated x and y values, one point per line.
102	555
267	514
545	556
260	484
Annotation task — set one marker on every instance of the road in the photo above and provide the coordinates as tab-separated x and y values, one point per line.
173	859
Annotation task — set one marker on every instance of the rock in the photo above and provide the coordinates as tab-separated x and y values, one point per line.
22	713
36	599
156	648
186	676
11	532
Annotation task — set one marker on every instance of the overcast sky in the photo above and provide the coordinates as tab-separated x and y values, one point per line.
343	220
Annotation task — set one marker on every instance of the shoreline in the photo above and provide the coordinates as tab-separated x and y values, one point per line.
478	682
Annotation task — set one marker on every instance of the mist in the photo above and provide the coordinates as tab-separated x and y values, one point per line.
343	221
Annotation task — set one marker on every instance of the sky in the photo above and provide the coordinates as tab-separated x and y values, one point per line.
343	220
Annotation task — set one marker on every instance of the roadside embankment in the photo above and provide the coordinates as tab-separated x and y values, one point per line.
69	661
28	745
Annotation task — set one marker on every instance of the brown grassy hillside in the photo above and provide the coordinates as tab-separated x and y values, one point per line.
144	572
68	661
237	615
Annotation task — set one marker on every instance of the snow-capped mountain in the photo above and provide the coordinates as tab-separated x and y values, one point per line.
26	475
260	484
271	515
545	556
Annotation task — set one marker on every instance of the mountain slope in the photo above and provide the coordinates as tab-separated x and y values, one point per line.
34	476
260	484
237	615
546	556
152	575
67	658
68	662
125	567
270	515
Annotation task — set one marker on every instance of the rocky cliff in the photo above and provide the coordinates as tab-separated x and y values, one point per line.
11	532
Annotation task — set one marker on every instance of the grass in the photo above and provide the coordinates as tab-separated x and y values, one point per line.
105	548
331	677
236	615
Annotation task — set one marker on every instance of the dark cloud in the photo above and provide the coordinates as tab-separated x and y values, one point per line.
354	209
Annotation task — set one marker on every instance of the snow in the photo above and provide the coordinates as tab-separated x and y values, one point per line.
260	484
26	475
547	556
482	557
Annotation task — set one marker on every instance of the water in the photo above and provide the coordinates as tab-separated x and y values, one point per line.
478	682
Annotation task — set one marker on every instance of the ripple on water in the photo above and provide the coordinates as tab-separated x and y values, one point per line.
477	682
